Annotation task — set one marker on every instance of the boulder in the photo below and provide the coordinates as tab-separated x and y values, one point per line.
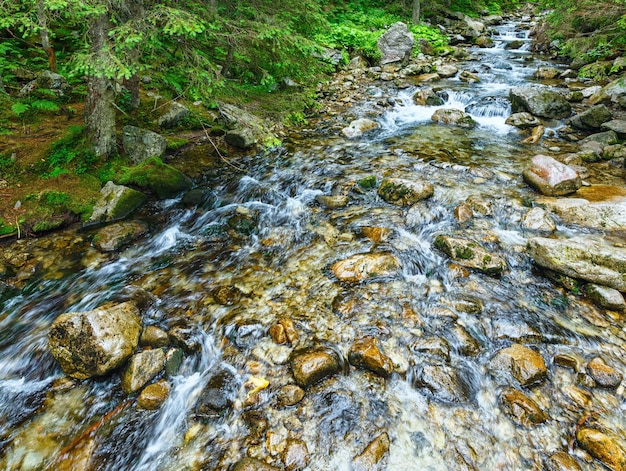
470	254
427	97
584	258
402	192
153	336
248	127
618	126
561	461
592	118
116	202
242	138
605	297
364	266
523	120
551	177
359	127
463	213
538	219
174	115
604	375
432	346
48	80
93	343
219	394
374	452
158	177
366	353
539	101
153	396
614	92
546	72
473	28
312	364
521	408
607	449
469	77
114	237
524	364
396	44
453	117
290	395
447	70
141	368
141	144
602	215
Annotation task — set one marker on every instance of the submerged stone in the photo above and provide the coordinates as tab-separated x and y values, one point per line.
359	127
374	452
402	192
93	343
219	393
444	382
470	254
524	364
561	461
296	455
521	408
604	375
114	237
364	266
312	364
607	449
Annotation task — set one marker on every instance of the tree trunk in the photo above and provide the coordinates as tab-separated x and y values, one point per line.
135	10
416	12
99	109
42	19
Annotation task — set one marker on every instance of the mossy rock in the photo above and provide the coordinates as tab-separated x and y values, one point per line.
154	175
470	254
367	183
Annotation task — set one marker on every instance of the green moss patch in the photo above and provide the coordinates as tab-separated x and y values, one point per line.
154	175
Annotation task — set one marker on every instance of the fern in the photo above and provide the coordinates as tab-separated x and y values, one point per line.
44	105
20	108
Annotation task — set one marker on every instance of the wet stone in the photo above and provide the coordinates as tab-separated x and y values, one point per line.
364	266
561	461
454	117
402	192
551	177
277	332
251	464
153	396
290	330
525	365
480	206
435	346
227	295
154	337
523	120
606	448
444	382
567	361
374	452
464	342
359	127
604	375
333	202
289	395
521	408
256	421
538	219
605	297
376	234
219	393
141	368
310	365
296	455
470	254
116	236
173	361
366	353
463	213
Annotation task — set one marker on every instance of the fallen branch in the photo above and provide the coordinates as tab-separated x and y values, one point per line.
206	133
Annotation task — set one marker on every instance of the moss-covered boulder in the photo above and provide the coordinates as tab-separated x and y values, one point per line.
141	144
592	118
116	202
614	92
161	179
470	254
540	101
454	117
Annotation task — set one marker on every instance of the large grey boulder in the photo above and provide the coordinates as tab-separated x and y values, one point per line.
618	126
141	144
49	80
93	343
592	118
242	138
523	120
246	127
174	115
585	258
614	92
396	44
116	202
551	177
600	215
539	101
473	28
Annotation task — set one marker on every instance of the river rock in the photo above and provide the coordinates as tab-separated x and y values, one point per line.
296	455
473	28
376	234
359	127
219	393
480	205
561	461
116	202
521	408
453	117
396	44
333	201
538	219
141	144
427	97
546	72
289	395
114	237
374	452
464	342
444	382
463	213
312	364
551	177
242	138
153	336
252	464
447	70
604	375
93	343
607	215
175	113
364	266
605	297
539	101
153	396
366	353
524	364
614	92
141	369
470	254
618	126
236	118
607	449
433	346
523	120
581	257
402	192
592	118
469	77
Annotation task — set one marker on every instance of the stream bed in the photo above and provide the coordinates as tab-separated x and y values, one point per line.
256	250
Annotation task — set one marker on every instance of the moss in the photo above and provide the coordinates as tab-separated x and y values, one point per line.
175	143
154	175
128	202
368	182
464	253
6	228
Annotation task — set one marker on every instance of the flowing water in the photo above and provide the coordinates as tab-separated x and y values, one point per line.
262	232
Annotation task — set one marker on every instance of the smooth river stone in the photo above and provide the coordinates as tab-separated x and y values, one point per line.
551	177
373	453
604	375
521	408
605	448
525	365
561	461
363	266
470	254
313	364
403	192
366	353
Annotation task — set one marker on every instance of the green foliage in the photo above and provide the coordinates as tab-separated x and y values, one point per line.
597	71
69	154
434	36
